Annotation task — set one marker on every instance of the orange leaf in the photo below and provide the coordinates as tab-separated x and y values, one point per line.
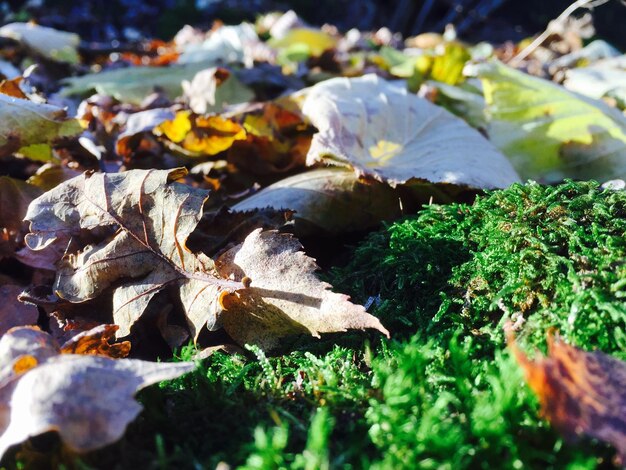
581	393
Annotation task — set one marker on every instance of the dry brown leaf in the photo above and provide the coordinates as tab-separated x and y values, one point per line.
12	88
285	297
88	400
97	341
12	311
278	140
142	219
581	393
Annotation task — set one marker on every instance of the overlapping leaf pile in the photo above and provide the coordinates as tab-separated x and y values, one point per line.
155	195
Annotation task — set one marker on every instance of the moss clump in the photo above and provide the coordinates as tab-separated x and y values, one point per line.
444	283
556	255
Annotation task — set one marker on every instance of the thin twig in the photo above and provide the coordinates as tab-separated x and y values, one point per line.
515	61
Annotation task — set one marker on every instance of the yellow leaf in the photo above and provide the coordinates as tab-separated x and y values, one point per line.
177	129
213	135
316	41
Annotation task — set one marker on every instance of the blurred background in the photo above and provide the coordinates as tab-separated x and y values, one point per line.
475	20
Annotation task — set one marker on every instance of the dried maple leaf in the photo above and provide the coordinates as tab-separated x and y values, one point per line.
146	219
581	393
285	295
88	400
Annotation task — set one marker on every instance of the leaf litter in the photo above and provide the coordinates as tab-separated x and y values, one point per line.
172	201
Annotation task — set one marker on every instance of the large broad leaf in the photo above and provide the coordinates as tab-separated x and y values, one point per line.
328	200
140	221
548	132
88	400
24	123
581	393
135	83
384	132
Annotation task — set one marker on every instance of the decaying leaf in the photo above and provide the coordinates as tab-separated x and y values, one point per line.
24	123
139	124
284	296
149	219
384	132
15	196
142	220
278	140
88	400
226	44
548	132
12	311
581	393
12	88
310	41
50	175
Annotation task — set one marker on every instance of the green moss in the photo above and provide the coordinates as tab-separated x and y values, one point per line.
554	254
453	275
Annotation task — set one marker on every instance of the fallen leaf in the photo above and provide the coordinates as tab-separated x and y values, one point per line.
50	175
12	88
224	228
138	124
212	89
581	393
278	140
12	311
97	341
133	84
24	123
227	44
139	222
313	41
384	132
48	42
548	132
88	400
328	201
198	135
143	220
284	296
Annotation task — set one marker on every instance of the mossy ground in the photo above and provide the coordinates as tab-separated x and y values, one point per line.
443	392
